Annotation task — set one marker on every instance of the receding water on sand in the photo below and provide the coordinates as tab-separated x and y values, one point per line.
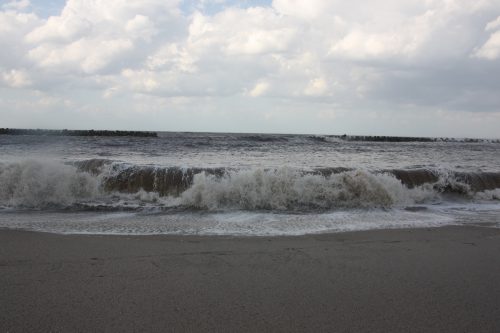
244	223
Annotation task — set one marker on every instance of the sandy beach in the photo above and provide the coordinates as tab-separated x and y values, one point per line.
415	280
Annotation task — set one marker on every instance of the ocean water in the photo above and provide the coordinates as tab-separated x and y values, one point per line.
244	184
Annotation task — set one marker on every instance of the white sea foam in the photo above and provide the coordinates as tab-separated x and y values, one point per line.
236	223
246	223
488	195
37	184
288	189
254	202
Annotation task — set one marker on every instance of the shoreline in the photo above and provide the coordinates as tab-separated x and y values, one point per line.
201	236
441	279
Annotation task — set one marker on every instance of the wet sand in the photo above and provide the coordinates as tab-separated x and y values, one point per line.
419	280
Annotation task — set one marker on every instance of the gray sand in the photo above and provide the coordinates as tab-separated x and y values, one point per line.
427	280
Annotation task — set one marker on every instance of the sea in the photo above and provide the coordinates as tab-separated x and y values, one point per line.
245	184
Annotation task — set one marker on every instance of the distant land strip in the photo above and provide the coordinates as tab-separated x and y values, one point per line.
65	132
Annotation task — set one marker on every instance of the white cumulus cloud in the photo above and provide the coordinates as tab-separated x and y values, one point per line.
491	49
17	78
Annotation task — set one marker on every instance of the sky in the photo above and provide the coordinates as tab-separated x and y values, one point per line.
381	67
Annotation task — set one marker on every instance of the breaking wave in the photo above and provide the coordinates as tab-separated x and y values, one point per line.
100	183
36	184
286	189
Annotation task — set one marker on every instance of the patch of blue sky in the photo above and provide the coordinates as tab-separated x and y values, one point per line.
46	8
212	7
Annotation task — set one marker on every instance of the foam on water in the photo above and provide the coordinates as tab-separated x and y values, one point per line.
287	189
244	223
237	223
37	184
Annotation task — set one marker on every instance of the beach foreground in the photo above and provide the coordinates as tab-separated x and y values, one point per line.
415	280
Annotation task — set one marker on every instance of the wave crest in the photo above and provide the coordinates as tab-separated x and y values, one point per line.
35	184
115	185
287	189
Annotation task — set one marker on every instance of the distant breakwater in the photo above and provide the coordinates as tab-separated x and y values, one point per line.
382	138
65	132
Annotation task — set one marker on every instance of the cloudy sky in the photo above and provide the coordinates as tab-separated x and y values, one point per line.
381	67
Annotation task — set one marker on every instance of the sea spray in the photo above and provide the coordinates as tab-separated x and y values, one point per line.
288	189
112	185
36	184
